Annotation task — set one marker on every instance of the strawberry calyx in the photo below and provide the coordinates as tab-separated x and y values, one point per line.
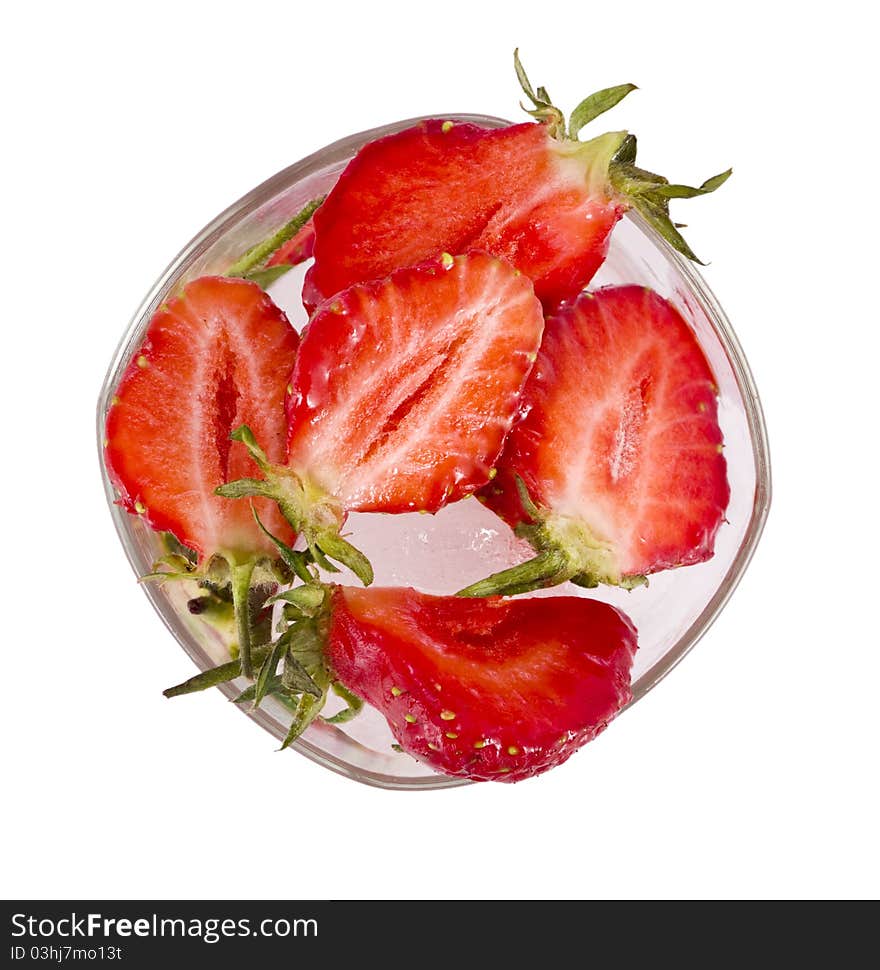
609	159
544	110
649	194
547	113
235	589
312	512
568	550
293	669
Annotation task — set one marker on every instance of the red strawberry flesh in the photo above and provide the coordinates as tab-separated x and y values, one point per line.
213	358
620	441
489	689
517	192
404	389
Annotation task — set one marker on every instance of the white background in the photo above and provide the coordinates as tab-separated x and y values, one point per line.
752	770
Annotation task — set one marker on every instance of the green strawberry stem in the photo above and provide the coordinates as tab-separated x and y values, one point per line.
241	575
248	265
353	702
214	676
546	569
307	710
305	679
312	513
615	173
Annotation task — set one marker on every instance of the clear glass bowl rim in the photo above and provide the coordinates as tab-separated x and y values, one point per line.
264	193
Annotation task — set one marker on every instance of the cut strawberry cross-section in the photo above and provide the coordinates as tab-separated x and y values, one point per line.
616	469
489	689
530	193
401	398
218	355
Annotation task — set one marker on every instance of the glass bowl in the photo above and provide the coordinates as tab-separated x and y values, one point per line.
465	542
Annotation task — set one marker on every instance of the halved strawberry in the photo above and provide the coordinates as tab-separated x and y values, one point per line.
489	689
216	356
529	193
402	395
616	468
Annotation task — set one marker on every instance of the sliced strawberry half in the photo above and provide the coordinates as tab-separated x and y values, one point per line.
213	358
531	193
488	689
402	395
616	469
218	356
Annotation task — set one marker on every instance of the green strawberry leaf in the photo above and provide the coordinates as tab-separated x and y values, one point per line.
548	568
264	278
333	545
244	434
298	561
667	191
212	677
353	702
526	84
164	574
245	488
174	547
307	710
529	507
270	666
308	599
544	110
649	194
295	677
596	104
